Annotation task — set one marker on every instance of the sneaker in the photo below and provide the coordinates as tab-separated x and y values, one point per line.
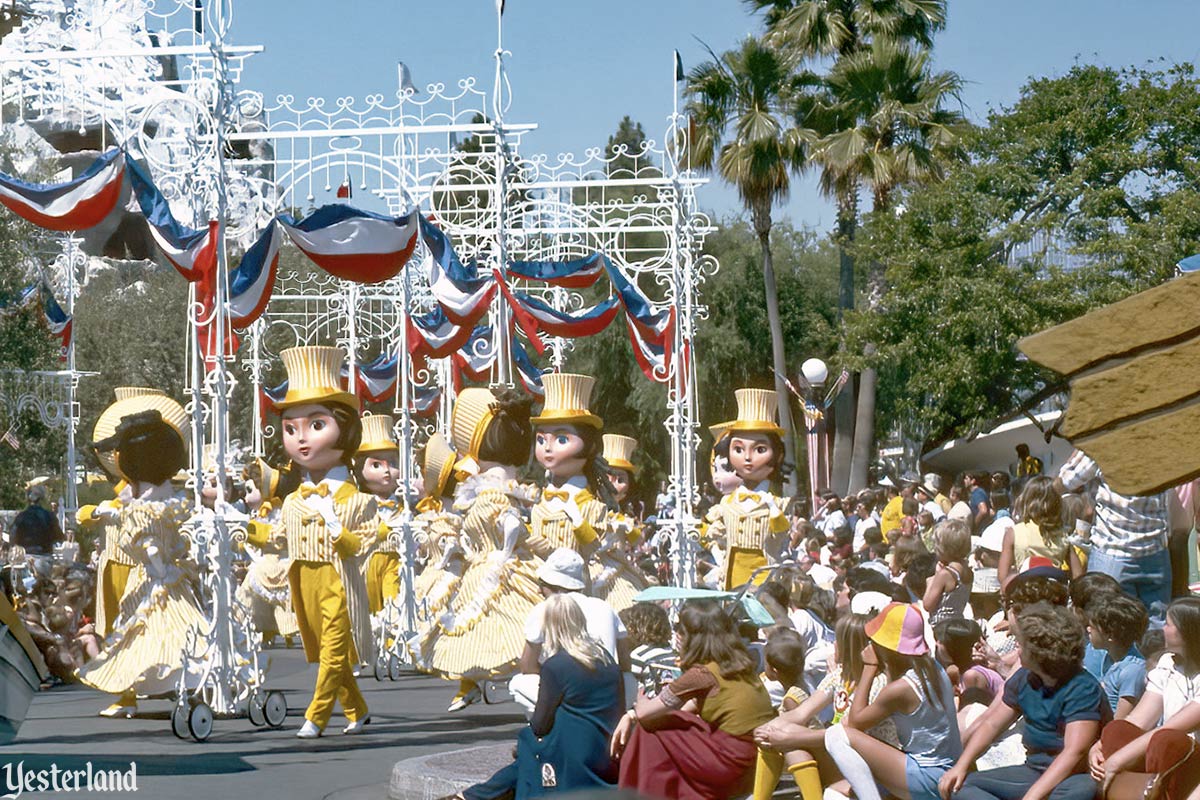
358	726
461	701
118	710
308	731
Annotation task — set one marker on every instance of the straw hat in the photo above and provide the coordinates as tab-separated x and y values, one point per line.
470	419
126	392
757	409
378	435
439	464
315	376
719	430
567	399
618	451
901	629
270	479
106	426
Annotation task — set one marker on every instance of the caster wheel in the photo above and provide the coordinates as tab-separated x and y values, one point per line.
179	719
200	722
254	710
380	669
393	667
275	709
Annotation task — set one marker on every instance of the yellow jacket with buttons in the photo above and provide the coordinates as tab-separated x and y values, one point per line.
308	537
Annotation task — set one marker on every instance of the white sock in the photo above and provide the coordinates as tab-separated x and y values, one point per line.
854	768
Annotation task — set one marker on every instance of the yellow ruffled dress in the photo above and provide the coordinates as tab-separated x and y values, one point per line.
437	539
614	579
478	631
144	653
265	592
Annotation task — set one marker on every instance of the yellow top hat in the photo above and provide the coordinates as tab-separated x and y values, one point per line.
439	465
470	419
567	398
757	409
126	392
377	435
618	451
315	376
172	414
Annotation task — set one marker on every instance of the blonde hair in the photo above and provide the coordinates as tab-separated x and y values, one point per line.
565	628
951	540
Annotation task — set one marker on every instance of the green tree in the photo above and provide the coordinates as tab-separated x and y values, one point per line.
739	106
1084	191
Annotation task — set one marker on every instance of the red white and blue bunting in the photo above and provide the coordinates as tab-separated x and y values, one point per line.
75	205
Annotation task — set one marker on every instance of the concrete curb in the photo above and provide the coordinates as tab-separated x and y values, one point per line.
432	776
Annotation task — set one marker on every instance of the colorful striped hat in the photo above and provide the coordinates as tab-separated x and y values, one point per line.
901	629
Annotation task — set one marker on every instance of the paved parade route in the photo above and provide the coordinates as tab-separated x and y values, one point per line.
408	719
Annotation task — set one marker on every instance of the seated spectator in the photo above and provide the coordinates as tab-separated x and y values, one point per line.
918	699
1040	532
947	592
651	658
694	739
1152	752
562	573
1116	622
785	666
959	649
1063	707
580	699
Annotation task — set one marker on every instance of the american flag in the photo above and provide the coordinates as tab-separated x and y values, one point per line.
10	439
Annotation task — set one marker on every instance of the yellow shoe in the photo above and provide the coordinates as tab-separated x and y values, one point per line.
119	709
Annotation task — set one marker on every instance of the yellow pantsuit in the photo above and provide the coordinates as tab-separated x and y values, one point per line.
383	579
321	602
755	531
329	593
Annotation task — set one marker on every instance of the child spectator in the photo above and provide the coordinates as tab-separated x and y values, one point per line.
1087	586
947	593
1153	645
1115	623
785	665
957	640
651	659
1063	707
1040	531
1152	752
916	578
903	552
918	699
985	585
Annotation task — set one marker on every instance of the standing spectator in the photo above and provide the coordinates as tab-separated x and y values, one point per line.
35	528
959	509
1027	465
979	500
927	497
832	516
1129	534
934	481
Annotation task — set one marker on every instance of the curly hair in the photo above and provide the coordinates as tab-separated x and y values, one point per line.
647	623
1053	637
1119	616
951	540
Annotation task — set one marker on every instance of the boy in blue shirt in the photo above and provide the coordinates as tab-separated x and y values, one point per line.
1064	708
1115	621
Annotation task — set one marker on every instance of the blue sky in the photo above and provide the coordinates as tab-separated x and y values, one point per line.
578	66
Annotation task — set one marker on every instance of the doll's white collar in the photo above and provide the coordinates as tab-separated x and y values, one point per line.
333	479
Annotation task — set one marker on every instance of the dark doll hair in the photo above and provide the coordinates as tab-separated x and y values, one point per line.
1054	637
148	449
1184	613
595	468
360	462
611	471
508	439
895	665
959	636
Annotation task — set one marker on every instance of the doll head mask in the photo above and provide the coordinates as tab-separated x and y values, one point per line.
561	449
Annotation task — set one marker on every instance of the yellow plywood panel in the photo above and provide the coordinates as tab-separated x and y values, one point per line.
1162	315
1150	455
1156	380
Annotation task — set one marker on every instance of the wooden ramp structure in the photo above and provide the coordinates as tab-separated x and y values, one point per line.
1134	372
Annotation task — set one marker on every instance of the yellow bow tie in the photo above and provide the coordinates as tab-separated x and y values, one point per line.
429	504
556	494
321	490
387	504
743	496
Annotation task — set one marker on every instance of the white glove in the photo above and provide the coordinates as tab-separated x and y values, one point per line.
325	507
104	511
157	569
569	508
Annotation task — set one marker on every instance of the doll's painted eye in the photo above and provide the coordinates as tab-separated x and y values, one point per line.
761	449
562	439
318	425
541	439
290	430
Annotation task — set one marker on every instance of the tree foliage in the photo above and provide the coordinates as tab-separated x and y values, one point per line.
1082	192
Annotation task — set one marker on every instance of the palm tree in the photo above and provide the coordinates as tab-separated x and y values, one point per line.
742	128
814	29
885	124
